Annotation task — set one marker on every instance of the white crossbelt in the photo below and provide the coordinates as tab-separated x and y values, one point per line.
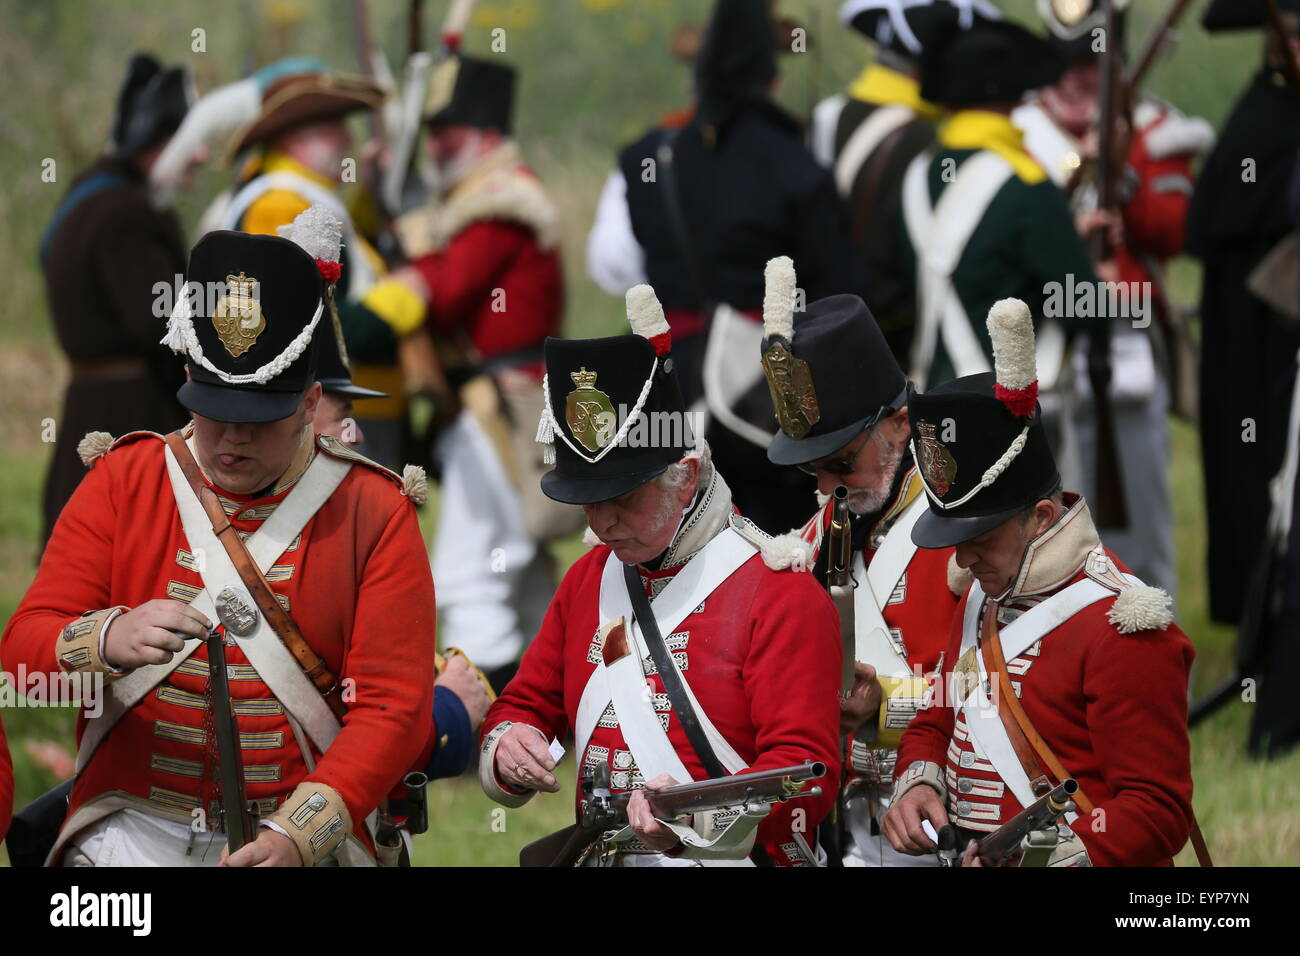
873	645
265	546
870	133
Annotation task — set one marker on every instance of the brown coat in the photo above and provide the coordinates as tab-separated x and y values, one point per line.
100	267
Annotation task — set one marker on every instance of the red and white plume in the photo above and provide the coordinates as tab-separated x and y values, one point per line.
320	232
646	317
1012	330
778	298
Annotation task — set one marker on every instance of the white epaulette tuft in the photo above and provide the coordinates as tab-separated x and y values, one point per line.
93	446
784	551
1141	607
590	539
415	484
959	579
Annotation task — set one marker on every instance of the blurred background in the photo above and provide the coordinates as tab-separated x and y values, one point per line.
593	75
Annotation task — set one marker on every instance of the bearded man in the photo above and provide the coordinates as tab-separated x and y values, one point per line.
841	402
729	666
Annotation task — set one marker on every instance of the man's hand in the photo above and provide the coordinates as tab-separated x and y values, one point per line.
649	830
970	856
903	820
144	635
463	681
269	849
863	701
523	759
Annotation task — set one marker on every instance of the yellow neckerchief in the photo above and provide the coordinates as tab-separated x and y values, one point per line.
881	85
981	129
274	161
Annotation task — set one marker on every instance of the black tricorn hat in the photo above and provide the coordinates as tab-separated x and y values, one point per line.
151	104
979	442
737	61
246	327
904	26
332	369
465	90
1072	27
828	368
1242	14
613	408
992	62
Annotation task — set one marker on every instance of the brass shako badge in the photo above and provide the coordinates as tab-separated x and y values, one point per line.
238	316
589	413
789	379
937	463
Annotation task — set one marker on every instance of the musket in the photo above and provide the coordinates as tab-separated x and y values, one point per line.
1109	508
1160	34
1017	835
236	818
604	811
839	578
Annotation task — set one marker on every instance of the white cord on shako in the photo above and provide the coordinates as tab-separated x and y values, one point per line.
548	428
991	475
182	339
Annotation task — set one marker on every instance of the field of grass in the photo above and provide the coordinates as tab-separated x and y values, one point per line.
594	74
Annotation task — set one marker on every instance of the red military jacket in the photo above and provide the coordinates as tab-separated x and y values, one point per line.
356	581
1111	705
494	277
761	655
918	612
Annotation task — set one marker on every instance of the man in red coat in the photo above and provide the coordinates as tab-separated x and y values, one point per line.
6	784
1059	663
895	623
135	577
753	652
486	280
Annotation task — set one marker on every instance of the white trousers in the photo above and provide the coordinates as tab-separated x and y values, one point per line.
492	581
866	849
132	838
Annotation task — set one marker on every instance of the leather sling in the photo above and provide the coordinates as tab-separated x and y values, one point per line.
283	625
1013	715
668	672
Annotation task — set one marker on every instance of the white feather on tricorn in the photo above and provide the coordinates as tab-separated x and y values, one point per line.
778	298
1011	329
646	316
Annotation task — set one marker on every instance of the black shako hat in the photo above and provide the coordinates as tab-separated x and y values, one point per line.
828	369
151	104
904	26
737	61
992	62
979	442
465	90
613	416
245	326
1242	14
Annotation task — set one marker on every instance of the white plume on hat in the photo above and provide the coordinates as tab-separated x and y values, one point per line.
778	298
212	118
318	230
644	313
1012	330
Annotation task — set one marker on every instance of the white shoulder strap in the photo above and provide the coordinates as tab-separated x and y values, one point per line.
711	566
265	546
874	645
863	141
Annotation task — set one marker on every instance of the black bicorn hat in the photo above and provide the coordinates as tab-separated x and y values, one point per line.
979	442
1072	26
828	368
151	104
1223	15
995	61
245	326
904	26
469	91
612	416
737	60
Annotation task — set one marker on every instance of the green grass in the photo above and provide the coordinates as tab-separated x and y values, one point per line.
594	73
